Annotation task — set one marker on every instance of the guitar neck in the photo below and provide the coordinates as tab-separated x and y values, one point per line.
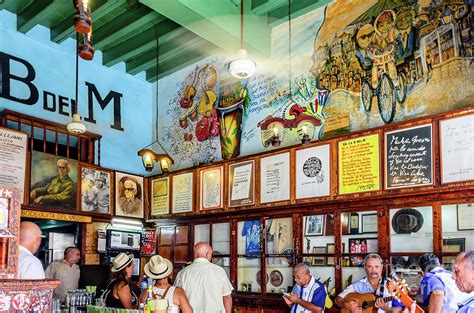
407	302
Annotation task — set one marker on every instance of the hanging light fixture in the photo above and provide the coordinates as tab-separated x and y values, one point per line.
83	18
75	126
149	157
85	49
242	67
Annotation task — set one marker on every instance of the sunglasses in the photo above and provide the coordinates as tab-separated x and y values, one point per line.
130	189
366	36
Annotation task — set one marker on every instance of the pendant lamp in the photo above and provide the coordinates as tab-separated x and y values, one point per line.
242	67
76	127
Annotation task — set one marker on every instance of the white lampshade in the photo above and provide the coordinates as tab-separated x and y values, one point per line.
76	126
242	67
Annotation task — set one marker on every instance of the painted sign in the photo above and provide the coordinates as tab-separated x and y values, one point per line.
56	216
13	151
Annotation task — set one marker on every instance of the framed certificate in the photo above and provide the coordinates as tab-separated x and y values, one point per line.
182	193
160	196
275	178
242	184
211	188
465	212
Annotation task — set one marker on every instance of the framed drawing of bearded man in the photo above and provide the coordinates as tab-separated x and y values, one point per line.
128	195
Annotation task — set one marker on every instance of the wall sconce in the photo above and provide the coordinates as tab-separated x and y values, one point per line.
305	139
149	157
276	138
83	18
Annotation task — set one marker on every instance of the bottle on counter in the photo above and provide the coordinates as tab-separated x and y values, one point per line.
149	297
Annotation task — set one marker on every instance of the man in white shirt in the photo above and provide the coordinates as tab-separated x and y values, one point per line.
67	271
206	285
29	266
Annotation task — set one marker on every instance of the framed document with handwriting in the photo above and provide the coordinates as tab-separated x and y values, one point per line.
242	183
275	178
211	188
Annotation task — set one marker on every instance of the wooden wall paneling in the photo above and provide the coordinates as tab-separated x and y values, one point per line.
263	250
292	176
383	232
257	181
297	238
233	253
338	248
437	229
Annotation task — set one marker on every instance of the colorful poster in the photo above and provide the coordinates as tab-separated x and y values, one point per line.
13	159
409	157
313	172
275	178
182	199
160	196
148	242
359	168
241	183
212	193
457	143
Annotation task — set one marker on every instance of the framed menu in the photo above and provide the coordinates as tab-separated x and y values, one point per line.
275	178
182	195
242	183
457	143
160	196
359	169
13	148
313	172
211	188
409	157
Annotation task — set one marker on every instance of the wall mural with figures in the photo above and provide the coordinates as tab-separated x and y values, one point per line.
354	65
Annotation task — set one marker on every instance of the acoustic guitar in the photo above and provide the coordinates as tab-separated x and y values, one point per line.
398	287
365	300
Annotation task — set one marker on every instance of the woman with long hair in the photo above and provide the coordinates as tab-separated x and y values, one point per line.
120	292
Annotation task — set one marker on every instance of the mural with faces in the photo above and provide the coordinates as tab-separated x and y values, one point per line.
354	65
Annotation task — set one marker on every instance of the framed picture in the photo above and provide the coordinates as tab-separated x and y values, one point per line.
211	188
275	178
128	195
182	193
465	213
53	181
369	223
454	245
318	260
13	161
96	190
345	223
160	196
242	184
313	172
331	249
363	245
148	246
354	223
314	225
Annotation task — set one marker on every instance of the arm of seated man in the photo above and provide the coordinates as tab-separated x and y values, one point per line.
348	305
317	303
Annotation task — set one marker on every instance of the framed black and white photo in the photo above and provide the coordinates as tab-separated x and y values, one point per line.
96	190
318	260
314	225
369	223
313	172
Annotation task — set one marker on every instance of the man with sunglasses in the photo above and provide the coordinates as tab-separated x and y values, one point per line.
129	203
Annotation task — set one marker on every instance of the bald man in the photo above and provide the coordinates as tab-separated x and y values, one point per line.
29	266
463	275
206	285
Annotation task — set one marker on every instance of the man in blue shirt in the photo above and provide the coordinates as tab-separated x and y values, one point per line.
373	283
463	275
438	290
308	294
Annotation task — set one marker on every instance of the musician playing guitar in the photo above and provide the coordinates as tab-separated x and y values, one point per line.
373	284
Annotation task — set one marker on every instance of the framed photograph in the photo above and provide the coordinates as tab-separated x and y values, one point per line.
318	260
454	245
354	223
331	249
53	181
182	193
148	247
419	141
369	223
96	190
160	196
465	213
455	133
363	245
211	188
128	195
314	225
313	172
242	184
275	178
345	223
13	161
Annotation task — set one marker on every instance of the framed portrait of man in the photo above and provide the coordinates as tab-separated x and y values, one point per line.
128	195
53	182
96	190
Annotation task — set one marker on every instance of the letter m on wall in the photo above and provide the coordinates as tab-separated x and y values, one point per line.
92	93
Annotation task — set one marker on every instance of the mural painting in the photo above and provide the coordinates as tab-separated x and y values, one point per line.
345	67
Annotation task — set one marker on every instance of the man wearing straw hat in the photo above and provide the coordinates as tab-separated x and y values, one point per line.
160	268
206	285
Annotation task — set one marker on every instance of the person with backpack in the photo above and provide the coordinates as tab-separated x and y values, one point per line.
121	292
160	269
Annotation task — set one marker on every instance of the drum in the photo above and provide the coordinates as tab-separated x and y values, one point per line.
230	130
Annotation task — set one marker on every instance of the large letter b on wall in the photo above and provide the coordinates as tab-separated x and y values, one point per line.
6	77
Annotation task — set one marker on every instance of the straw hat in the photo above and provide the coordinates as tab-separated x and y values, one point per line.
158	267
121	261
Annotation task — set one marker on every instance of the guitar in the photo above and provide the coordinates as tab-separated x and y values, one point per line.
365	300
398	287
